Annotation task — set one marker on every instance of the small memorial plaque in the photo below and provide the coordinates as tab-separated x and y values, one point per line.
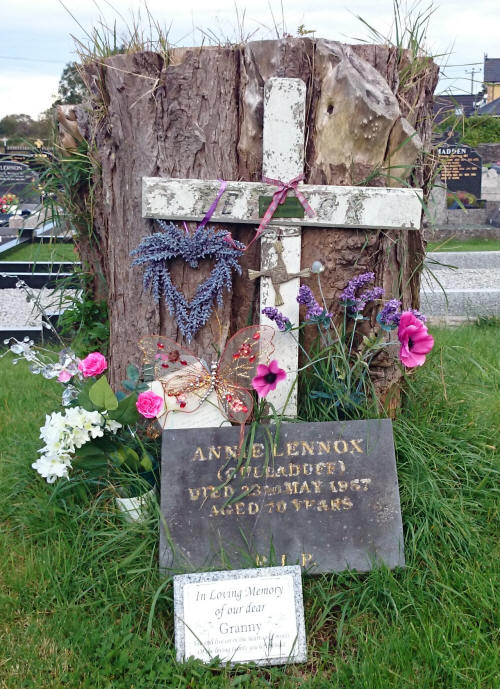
324	496
248	615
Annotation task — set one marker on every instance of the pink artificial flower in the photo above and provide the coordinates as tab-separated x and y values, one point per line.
415	340
93	365
149	405
64	376
267	378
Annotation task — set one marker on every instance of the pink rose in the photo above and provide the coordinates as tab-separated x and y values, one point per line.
93	365
415	340
149	405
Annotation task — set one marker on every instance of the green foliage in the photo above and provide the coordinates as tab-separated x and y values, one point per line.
50	251
102	396
82	603
453	244
480	129
71	88
18	128
86	323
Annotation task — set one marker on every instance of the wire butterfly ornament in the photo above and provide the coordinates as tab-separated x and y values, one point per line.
187	382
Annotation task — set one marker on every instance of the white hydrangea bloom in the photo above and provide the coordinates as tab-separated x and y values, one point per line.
52	466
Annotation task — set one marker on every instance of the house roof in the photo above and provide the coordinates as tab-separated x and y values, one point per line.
492	70
492	108
446	105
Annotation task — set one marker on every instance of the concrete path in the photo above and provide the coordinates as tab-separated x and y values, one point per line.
458	286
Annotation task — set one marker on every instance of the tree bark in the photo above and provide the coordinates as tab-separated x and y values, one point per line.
200	115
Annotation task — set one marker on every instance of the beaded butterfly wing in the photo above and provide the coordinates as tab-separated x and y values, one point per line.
187	382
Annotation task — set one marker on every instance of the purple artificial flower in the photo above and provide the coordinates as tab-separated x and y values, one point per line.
390	313
313	309
354	303
282	322
418	315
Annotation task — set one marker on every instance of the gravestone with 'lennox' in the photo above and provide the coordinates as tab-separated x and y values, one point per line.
17	178
326	498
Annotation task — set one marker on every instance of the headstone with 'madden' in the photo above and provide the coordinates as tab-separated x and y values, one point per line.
321	495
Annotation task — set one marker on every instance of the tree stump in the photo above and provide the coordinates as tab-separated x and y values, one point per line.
199	115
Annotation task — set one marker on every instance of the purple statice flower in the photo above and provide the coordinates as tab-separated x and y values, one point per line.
418	315
282	322
313	309
355	303
390	313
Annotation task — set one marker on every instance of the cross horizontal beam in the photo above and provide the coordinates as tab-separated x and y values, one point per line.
345	207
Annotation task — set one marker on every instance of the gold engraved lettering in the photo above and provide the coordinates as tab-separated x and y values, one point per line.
269	472
355	445
343	486
260	560
257	450
332	487
214	453
342	466
309	504
283	560
293	470
276	453
347	503
297	504
281	506
323	447
322	506
215	494
198	455
307	469
291	448
239	508
317	486
281	471
365	482
320	466
355	484
255	490
304	488
231	451
194	493
228	491
257	473
335	504
253	508
342	444
309	447
306	559
330	467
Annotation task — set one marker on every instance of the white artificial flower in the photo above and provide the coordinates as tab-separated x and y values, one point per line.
112	426
52	467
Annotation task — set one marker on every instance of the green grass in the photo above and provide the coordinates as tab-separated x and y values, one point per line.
43	251
465	245
78	587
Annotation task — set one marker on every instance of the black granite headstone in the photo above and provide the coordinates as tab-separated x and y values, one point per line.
461	168
328	499
19	179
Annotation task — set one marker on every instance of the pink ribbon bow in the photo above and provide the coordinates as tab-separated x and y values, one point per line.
279	197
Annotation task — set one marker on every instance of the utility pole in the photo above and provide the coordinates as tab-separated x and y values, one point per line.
471	72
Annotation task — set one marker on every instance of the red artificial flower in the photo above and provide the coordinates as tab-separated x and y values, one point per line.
267	378
415	340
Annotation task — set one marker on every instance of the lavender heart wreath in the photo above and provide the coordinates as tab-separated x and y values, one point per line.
155	253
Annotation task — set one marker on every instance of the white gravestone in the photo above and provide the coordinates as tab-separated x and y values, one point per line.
241	616
283	158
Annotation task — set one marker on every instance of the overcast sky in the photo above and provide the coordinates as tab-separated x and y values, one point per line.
36	39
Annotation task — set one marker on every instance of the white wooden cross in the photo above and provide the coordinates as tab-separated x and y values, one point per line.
283	158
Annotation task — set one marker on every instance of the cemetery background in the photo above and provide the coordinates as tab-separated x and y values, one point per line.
355	622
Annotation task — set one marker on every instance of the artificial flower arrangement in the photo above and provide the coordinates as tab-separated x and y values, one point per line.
338	373
8	203
97	434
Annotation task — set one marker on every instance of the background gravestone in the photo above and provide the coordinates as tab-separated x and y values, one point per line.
19	179
328	501
461	168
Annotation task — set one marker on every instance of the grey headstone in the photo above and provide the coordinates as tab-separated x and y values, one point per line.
19	179
328	500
